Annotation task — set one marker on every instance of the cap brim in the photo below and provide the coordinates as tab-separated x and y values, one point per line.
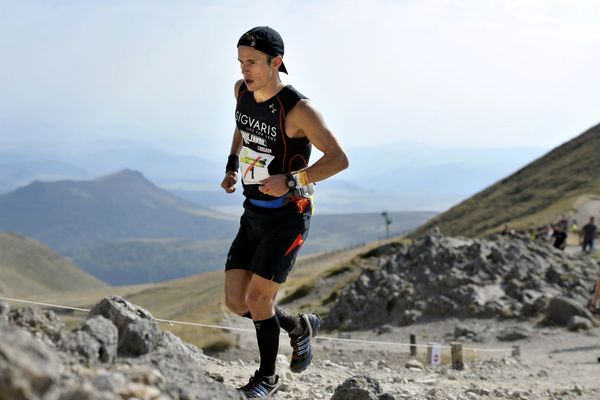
282	68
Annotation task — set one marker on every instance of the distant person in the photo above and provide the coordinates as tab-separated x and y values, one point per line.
588	236
549	233
564	223
560	237
276	127
574	227
505	230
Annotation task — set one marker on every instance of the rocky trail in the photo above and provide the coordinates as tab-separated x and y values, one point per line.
487	294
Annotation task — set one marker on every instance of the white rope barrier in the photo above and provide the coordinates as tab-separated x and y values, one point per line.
229	328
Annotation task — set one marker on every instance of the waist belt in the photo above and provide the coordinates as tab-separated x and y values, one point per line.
301	194
276	203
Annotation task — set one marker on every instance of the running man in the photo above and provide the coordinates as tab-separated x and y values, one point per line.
275	128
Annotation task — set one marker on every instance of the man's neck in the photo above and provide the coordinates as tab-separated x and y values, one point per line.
268	91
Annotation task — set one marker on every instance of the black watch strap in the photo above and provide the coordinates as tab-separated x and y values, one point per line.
290	181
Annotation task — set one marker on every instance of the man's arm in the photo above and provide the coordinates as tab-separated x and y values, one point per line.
231	176
304	120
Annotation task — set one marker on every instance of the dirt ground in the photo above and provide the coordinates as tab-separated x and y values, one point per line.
554	363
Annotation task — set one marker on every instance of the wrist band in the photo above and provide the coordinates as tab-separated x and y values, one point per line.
233	163
301	178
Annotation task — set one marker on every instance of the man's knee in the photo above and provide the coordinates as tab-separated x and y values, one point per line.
257	300
236	304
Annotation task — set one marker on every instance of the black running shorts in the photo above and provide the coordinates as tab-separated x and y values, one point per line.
268	240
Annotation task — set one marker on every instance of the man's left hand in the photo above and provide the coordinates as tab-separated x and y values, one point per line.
275	185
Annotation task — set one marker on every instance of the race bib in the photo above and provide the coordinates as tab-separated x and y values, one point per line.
254	166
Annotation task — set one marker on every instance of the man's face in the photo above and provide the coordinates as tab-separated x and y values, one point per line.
255	67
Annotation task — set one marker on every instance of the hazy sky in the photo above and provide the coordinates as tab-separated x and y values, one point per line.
452	73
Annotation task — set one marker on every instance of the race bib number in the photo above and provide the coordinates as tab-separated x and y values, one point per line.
254	166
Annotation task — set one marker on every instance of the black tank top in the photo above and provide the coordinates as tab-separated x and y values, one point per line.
266	149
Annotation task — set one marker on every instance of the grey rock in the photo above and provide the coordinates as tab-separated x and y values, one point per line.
107	335
438	277
95	341
360	387
28	367
159	365
577	323
111	382
83	346
561	309
138	338
119	311
414	363
513	333
41	323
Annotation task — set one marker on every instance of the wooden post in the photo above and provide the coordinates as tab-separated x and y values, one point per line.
516	351
429	353
457	356
413	345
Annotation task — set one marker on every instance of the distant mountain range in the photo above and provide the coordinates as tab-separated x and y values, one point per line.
29	268
124	229
125	205
405	175
557	184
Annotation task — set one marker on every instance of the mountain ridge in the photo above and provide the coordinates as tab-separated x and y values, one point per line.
537	194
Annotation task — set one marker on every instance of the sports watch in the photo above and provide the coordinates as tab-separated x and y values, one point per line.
291	181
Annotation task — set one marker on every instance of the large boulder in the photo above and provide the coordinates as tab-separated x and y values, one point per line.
119	311
43	324
360	387
96	340
577	323
139	337
29	370
85	365
438	277
561	309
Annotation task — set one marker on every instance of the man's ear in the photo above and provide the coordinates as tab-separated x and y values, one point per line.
277	61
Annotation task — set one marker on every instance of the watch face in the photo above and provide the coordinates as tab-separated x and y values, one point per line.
292	183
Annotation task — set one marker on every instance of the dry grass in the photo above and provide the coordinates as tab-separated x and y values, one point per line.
200	298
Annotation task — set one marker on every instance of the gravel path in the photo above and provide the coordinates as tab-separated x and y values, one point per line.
554	364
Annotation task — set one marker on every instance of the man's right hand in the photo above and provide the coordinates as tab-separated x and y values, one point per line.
228	183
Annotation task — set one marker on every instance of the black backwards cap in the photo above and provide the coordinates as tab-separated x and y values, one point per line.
264	39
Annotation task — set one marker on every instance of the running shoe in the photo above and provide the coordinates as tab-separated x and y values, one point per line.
302	349
259	386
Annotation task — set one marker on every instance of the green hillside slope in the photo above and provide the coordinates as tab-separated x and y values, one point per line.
536	194
30	268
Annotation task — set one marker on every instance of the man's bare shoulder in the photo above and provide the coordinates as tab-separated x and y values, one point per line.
304	108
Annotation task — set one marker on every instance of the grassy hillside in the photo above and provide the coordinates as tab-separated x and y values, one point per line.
28	267
536	194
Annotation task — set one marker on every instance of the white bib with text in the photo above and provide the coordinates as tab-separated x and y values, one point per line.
254	165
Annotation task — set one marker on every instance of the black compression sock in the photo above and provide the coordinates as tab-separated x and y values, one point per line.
286	320
247	315
267	335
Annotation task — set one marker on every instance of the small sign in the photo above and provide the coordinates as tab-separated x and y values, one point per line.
436	354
